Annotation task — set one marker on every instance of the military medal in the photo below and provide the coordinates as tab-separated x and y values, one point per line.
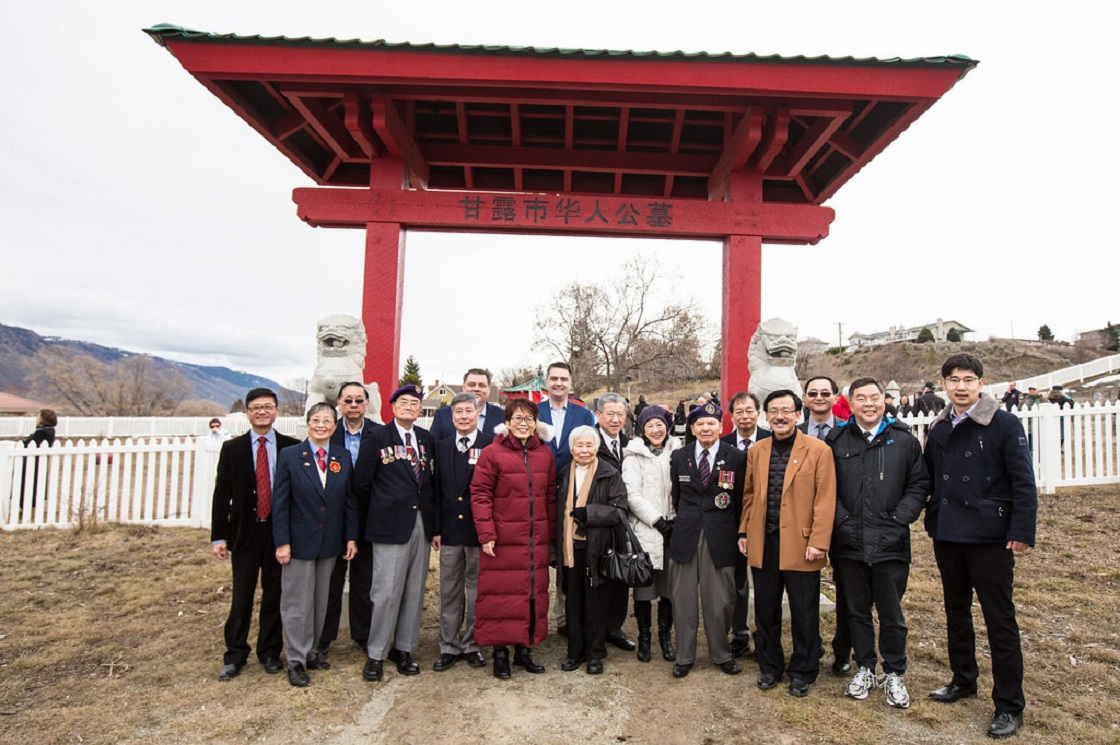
723	500
472	456
387	456
726	480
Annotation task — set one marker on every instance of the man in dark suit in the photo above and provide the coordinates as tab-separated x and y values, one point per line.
315	522
395	471
821	393
241	530
352	432
744	415
476	381
563	416
456	539
706	479
610	415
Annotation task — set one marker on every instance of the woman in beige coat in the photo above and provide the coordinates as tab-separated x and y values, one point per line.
645	471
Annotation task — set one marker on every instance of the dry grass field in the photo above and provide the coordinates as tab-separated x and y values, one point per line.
113	634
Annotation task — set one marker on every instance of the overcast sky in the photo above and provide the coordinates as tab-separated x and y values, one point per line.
139	212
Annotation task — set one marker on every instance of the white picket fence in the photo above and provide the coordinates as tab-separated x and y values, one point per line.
1064	376
170	480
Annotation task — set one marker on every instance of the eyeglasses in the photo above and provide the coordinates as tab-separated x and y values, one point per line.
410	403
522	420
817	394
780	412
966	382
258	408
349	401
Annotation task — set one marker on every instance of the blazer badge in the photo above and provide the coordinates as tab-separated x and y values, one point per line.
335	466
723	500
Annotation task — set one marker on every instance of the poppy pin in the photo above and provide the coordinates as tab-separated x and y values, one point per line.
335	467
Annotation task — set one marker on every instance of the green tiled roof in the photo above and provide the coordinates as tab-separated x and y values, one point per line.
163	32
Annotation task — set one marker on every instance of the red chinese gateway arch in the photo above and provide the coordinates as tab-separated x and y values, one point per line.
740	148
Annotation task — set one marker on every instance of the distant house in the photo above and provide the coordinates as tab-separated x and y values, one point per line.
534	390
438	396
940	330
1095	339
12	405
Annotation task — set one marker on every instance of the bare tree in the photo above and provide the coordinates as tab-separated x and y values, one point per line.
609	331
132	386
293	397
511	376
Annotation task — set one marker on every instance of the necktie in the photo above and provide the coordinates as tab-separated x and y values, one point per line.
413	461
744	444
463	442
614	449
321	461
704	469
870	436
264	481
822	429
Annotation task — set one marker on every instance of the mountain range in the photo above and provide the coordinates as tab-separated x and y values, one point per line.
18	346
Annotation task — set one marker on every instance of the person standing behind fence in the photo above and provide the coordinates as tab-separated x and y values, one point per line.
982	512
43	437
241	530
315	523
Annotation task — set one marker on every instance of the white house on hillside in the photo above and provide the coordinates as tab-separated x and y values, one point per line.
940	330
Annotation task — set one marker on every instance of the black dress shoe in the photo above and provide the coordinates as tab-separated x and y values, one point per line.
229	672
1005	724
297	676
947	694
474	659
594	667
680	670
571	663
841	667
501	663
318	663
445	662
767	681
373	670
731	667
739	648
323	650
798	688
523	657
273	665
619	640
406	665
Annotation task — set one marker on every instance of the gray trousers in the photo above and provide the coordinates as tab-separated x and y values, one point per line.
397	593
717	596
305	586
458	589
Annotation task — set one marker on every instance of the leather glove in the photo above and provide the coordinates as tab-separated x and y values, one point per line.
664	527
579	514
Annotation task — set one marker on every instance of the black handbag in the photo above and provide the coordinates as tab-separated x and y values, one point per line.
633	568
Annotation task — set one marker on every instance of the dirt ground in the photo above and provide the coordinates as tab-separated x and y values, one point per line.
114	635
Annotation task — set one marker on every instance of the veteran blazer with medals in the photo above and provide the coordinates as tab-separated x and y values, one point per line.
715	510
384	477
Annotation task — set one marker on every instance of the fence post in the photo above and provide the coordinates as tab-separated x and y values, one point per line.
202	482
7	462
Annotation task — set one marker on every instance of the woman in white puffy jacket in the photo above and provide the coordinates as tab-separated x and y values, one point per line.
645	471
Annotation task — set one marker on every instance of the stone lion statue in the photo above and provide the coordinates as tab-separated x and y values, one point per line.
771	357
341	344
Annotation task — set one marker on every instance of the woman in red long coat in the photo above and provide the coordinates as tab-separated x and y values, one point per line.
513	500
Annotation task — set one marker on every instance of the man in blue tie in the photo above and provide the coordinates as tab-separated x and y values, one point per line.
820	396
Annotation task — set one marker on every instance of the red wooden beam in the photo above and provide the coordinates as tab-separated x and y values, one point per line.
499	156
358	121
810	142
330	129
774	138
398	138
740	146
565	214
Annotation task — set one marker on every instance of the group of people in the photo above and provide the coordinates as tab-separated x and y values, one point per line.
507	497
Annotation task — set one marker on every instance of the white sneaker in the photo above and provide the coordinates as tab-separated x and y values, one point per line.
860	684
897	696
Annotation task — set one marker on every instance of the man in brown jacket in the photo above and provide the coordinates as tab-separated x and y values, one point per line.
789	502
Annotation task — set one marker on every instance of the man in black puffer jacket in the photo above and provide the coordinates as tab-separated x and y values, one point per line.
881	487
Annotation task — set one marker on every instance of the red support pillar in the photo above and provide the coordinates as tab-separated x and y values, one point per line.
742	294
383	289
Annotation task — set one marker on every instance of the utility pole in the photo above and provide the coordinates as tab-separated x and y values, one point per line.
840	337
